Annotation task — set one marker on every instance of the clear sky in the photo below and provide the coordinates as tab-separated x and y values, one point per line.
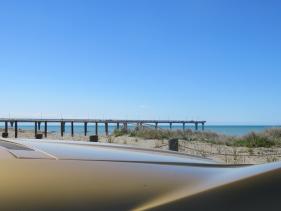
214	60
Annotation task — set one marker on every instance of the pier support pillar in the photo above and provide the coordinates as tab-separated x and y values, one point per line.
39	125
16	129
61	128
106	128
72	129
46	129
6	127
35	129
5	134
97	127
156	125
85	128
125	125
171	125
203	126
196	126
183	126
118	125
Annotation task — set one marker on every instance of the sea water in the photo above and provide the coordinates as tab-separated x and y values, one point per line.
235	130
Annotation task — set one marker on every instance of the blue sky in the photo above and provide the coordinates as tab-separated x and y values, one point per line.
200	59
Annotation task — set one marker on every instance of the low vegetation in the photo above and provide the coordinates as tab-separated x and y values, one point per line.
268	138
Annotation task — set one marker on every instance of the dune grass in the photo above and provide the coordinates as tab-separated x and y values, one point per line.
268	138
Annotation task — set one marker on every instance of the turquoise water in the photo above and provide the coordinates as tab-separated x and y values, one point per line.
223	129
238	130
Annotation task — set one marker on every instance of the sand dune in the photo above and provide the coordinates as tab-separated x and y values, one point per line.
221	153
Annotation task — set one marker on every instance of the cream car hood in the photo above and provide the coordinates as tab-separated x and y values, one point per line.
56	175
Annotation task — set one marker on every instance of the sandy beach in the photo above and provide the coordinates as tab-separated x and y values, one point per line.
218	152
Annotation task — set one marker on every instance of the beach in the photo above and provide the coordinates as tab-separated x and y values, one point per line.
218	152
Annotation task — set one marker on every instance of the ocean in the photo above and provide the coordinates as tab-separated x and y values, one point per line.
235	130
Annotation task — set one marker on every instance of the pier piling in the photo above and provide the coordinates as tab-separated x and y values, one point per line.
72	128
61	128
97	127
196	125
6	127
35	128
106	128
156	125
46	129
16	129
5	134
85	128
125	126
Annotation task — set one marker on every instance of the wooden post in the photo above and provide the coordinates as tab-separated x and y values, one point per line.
35	128
46	129
183	126
94	138
106	128
171	125
174	144
156	125
72	129
6	127
85	128
97	128
16	129
118	126
61	128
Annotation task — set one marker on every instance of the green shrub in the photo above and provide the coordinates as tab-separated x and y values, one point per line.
254	140
120	132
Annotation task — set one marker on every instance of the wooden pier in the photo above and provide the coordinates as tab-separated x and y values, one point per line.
37	124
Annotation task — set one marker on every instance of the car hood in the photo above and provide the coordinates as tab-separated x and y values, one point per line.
65	175
79	150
